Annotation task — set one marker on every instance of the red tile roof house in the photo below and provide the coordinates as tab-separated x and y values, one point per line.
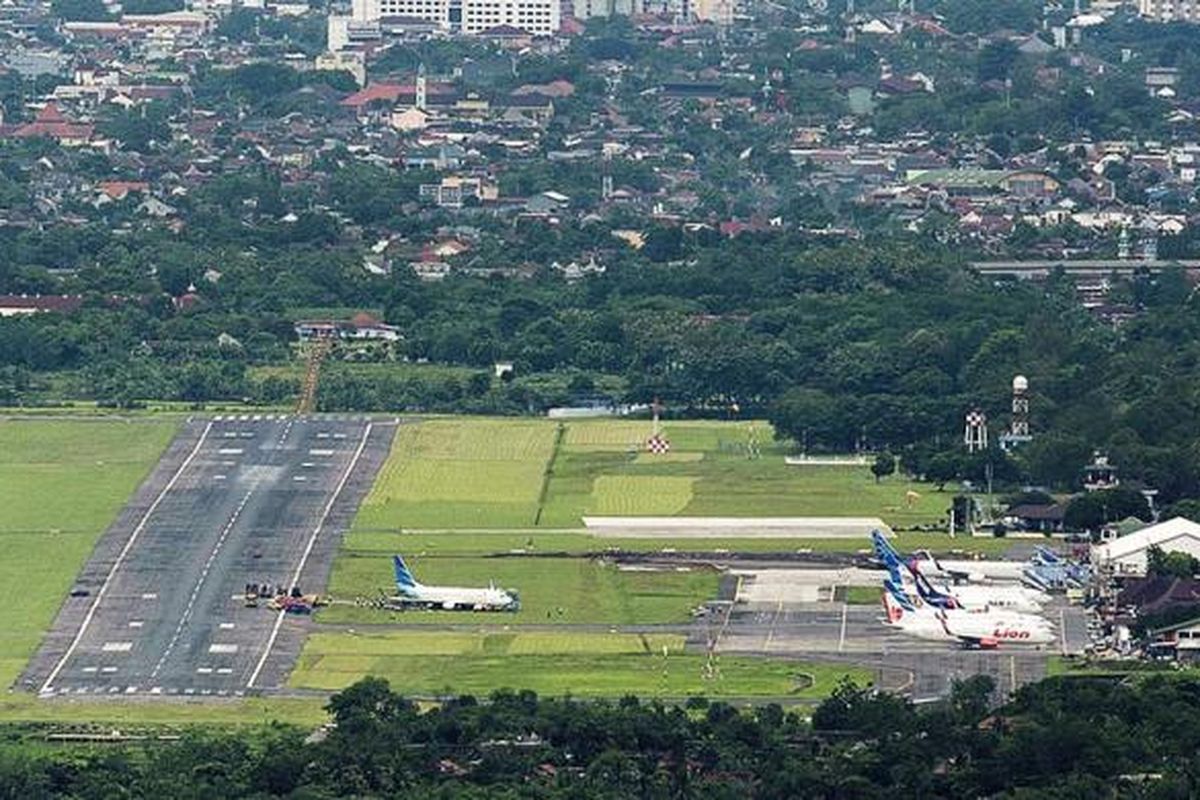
51	124
13	305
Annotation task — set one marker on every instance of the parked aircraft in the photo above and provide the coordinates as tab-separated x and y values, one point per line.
972	629
968	570
412	594
904	574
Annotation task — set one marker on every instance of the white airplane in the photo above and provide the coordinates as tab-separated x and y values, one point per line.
968	570
416	595
971	597
981	629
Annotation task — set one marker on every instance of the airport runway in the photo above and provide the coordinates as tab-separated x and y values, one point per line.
159	607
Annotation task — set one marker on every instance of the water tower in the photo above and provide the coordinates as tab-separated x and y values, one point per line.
1018	429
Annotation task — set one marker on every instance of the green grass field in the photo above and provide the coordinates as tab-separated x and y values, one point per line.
467	473
559	590
61	484
582	665
307	712
461	473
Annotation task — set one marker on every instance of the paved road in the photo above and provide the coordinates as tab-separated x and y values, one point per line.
235	500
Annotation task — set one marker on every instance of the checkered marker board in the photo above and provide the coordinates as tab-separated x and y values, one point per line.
658	444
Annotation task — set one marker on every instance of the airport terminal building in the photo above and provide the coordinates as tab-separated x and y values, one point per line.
1128	556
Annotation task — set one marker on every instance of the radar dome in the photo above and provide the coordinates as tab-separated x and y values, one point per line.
1020	383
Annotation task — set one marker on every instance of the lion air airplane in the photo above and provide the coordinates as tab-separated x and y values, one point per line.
971	629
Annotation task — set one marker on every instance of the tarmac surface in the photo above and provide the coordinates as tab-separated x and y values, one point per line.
834	631
159	608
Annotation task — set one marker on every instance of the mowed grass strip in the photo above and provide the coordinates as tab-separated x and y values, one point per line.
582	665
61	484
640	495
461	472
449	643
605	469
554	589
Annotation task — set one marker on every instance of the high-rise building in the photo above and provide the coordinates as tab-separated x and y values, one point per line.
538	17
588	9
1169	10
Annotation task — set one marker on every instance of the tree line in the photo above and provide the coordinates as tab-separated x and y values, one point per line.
1062	738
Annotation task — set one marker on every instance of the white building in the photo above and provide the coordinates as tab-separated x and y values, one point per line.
1169	10
1128	555
538	17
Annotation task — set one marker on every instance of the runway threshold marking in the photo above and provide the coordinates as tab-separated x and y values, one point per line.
312	540
91	612
191	603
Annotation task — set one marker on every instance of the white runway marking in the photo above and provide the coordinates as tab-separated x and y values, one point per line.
218	477
187	611
312	540
225	671
299	478
222	648
121	559
320	452
204	670
136	623
149	595
286	430
227	626
89	670
322	435
230	451
109	670
156	690
116	647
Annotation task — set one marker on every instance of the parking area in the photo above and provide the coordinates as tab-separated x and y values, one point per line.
784	611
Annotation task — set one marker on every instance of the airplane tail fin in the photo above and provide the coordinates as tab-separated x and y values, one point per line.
930	595
404	578
1047	555
886	554
896	596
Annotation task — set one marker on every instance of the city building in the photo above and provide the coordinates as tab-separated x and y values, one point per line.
537	17
1169	10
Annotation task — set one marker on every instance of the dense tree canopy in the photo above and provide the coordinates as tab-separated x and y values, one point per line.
1060	738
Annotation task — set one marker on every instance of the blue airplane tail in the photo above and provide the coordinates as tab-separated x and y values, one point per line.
1047	555
890	558
898	594
930	595
404	578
